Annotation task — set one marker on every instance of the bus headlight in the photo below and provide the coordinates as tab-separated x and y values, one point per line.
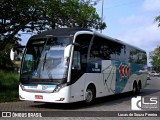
59	87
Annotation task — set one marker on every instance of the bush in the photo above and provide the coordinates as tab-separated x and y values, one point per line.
8	86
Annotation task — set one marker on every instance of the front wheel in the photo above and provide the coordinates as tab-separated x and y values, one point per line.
89	95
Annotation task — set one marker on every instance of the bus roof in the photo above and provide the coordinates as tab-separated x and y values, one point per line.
118	41
59	32
72	31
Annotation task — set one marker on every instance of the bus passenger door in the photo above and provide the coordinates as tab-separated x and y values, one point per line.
76	65
76	78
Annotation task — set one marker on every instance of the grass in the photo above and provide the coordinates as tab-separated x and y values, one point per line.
8	86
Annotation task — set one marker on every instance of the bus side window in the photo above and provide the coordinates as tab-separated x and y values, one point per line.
84	41
76	65
28	63
96	49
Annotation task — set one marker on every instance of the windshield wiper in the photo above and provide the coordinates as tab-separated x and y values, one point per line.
44	61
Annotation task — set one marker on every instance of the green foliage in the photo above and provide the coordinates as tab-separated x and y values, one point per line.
155	57
39	15
8	86
5	61
77	13
158	20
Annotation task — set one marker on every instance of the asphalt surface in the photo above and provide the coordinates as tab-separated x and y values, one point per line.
117	104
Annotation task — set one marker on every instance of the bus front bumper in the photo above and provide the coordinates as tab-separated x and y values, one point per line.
58	97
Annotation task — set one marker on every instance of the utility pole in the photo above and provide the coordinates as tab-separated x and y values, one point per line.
102	14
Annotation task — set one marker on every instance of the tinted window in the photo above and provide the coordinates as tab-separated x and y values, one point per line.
84	42
76	61
106	49
136	56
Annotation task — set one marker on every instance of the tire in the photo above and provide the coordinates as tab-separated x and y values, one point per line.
90	95
135	89
139	87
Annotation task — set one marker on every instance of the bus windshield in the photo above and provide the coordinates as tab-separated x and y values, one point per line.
44	59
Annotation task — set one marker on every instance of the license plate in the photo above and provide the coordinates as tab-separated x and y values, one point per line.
38	97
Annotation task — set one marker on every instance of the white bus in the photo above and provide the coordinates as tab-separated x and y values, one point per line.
70	65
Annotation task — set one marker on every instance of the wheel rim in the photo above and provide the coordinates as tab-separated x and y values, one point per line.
134	89
89	96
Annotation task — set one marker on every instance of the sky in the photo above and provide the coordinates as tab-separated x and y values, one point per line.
132	21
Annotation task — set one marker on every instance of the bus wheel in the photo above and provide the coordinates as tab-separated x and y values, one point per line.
135	90
90	95
139	86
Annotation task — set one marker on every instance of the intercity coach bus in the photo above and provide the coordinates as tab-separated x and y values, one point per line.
69	65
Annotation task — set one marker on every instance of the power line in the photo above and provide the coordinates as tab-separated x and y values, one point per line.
102	13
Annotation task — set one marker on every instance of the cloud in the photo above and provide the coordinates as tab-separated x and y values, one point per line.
136	25
145	37
135	20
139	29
151	5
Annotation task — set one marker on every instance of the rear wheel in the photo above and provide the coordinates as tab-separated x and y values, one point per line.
139	86
135	89
89	95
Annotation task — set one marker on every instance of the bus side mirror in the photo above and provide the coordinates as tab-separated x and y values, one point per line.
16	53
67	51
76	44
12	54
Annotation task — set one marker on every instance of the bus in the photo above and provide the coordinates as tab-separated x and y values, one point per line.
68	65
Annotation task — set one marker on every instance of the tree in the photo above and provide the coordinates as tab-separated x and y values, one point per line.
5	62
14	16
158	20
155	58
39	15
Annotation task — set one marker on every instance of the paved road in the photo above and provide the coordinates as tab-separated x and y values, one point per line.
111	103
